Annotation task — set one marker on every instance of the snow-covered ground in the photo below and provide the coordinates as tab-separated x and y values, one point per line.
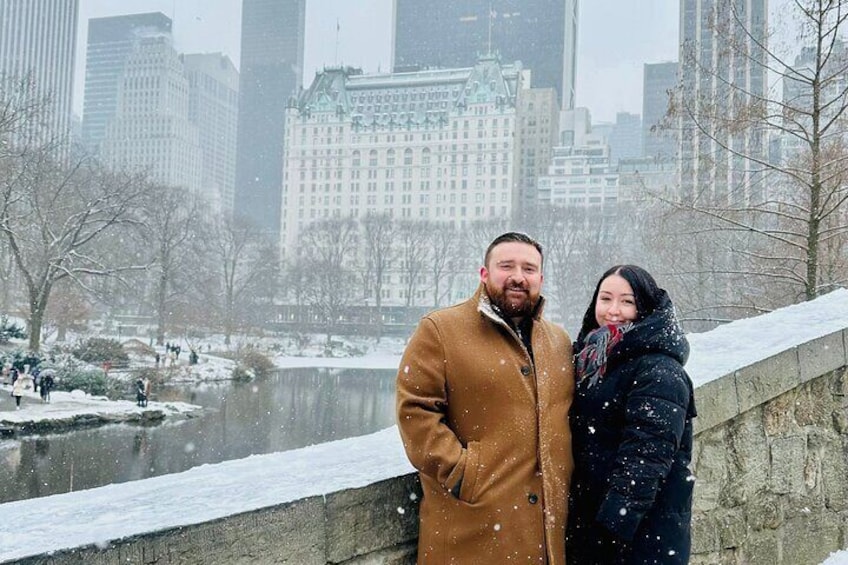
66	405
837	558
212	491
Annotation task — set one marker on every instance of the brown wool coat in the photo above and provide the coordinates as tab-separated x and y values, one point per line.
473	407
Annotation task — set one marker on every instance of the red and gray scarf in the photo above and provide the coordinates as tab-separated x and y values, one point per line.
591	361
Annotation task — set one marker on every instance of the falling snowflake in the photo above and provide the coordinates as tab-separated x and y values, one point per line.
497	527
623	511
401	510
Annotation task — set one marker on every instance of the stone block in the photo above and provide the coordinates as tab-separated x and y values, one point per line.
767	379
747	448
764	512
821	355
815	403
364	520
810	538
404	555
786	473
732	528
716	402
779	414
763	549
705	539
709	466
834	472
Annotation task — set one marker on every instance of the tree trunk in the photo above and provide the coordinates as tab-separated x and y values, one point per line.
160	308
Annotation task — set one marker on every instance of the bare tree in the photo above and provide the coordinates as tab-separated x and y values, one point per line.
380	250
68	305
788	212
170	218
246	264
53	215
560	229
414	256
328	249
444	255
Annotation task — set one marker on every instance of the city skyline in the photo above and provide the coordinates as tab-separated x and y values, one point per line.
610	56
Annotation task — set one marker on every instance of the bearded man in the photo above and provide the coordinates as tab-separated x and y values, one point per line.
483	393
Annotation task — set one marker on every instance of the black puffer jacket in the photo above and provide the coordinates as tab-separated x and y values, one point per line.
631	493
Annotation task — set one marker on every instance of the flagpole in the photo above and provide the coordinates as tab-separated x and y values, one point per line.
337	42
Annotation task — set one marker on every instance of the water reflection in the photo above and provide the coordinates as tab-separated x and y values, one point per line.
292	409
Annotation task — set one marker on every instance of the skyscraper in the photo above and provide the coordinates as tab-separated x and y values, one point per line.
625	138
111	41
723	69
213	108
272	33
659	79
150	130
38	38
542	34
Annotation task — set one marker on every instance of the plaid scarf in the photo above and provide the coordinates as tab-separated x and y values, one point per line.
591	361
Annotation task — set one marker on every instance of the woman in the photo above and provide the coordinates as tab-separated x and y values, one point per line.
18	386
631	493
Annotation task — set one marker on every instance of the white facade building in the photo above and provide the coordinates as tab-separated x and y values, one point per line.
580	176
435	145
38	39
150	131
110	43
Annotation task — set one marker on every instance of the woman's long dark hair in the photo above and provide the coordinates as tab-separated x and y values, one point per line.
645	290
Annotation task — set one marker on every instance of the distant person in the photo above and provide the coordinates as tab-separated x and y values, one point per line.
140	394
483	393
158	358
18	391
6	371
46	384
146	383
631	495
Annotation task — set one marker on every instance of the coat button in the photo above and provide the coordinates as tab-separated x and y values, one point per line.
532	498
525	370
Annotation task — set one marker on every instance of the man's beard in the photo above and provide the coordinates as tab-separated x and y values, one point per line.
511	308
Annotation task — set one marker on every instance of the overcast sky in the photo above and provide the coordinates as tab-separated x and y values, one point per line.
616	37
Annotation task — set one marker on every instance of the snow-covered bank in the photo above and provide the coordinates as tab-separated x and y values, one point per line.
76	409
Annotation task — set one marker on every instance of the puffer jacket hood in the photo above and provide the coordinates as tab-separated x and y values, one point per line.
659	332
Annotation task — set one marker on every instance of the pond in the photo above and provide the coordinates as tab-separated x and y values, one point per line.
293	408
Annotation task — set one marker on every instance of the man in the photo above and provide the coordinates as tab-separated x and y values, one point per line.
483	393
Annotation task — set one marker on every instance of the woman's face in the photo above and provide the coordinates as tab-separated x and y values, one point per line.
616	303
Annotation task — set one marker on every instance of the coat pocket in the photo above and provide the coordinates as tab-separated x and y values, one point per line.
468	490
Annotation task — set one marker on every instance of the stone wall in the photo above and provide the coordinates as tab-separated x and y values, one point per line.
771	461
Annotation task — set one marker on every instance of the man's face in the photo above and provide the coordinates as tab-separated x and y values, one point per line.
513	278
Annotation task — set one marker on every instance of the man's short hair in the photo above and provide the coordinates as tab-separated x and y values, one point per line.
509	236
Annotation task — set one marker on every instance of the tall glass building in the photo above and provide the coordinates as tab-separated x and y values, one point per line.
542	34
272	33
658	81
38	39
723	68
